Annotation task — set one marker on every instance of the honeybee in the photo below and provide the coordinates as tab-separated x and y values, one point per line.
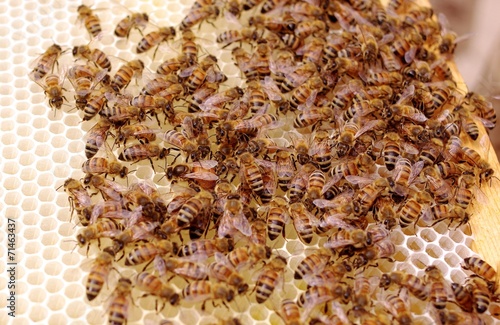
312	264
480	267
197	74
452	317
206	247
225	273
367	196
303	221
481	295
125	73
180	141
137	231
437	290
154	38
103	228
141	151
245	34
96	137
102	165
183	267
45	62
233	218
277	218
96	103
438	186
413	209
306	93
299	183
79	199
90	20
297	76
152	285
139	131
463	297
404	175
485	108
194	208
96	56
399	308
136	20
169	66
269	278
320	150
119	302
290	312
53	90
204	290
145	252
358	238
317	181
197	15
99	272
198	171
415	285
391	151
84	79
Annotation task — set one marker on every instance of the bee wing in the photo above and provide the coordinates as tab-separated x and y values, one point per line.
407	93
480	196
367	127
160	265
417	116
206	176
415	171
334	220
362	181
271	89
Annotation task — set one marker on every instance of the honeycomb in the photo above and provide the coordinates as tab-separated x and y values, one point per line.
41	148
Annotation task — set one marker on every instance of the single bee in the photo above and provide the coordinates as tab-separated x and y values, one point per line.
96	137
269	278
206	247
201	291
103	228
415	285
96	103
96	56
224	273
358	238
196	75
180	141
299	183
312	265
233	219
194	208
277	218
154	38
84	79
320	150
244	35
104	165
119	302
134	20
90	20
290	312
367	196
45	62
481	295
463	297
197	15
303	221
399	308
182	267
140	132
437	287
141	151
99	272
53	90
480	267
79	199
146	252
125	73
152	285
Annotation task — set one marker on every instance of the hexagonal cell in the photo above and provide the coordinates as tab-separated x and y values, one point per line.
434	251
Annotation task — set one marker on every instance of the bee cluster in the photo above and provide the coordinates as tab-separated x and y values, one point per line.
348	126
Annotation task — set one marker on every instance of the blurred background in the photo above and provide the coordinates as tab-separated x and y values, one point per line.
478	54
